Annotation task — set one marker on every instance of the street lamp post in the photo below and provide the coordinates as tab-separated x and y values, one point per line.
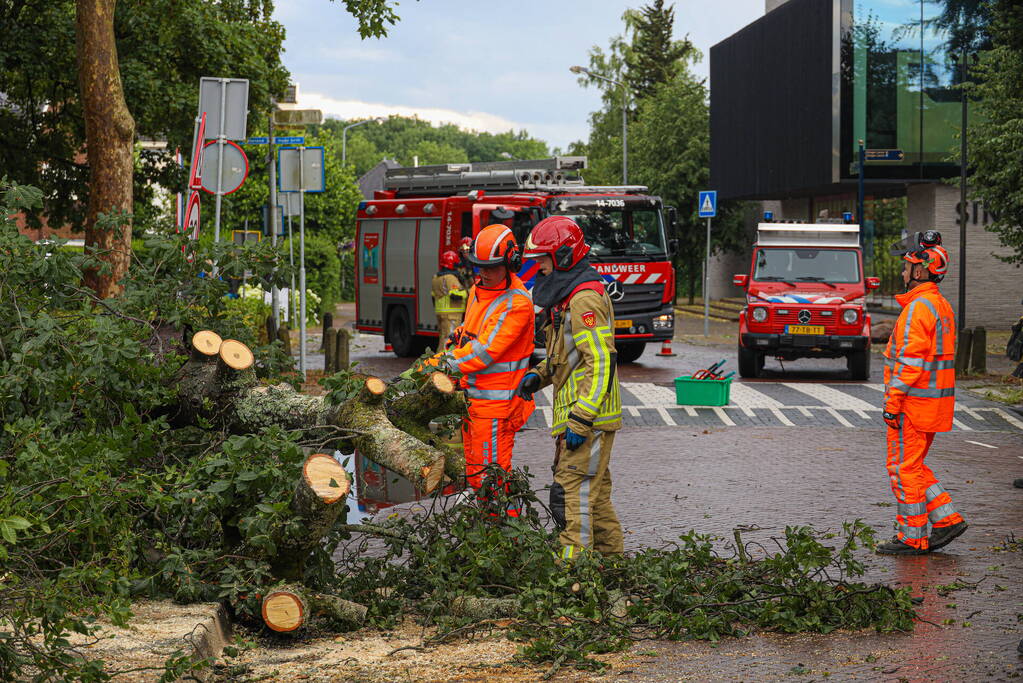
625	107
344	135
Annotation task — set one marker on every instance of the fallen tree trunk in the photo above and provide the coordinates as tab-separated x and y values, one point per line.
437	396
224	389
317	503
289	608
483	608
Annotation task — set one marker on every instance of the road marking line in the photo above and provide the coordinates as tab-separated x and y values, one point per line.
835	414
972	413
985	445
875	387
961	426
749	411
1007	417
781	417
805	411
633	410
690	411
745	396
724	416
548	415
862	414
663	412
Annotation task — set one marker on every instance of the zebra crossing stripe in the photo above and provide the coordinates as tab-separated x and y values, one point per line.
781	417
1006	416
830	397
666	416
723	416
961	426
841	420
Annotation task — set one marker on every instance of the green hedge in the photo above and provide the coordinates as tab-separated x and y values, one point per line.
322	269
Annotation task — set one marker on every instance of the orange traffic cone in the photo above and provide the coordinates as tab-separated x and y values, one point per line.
666	349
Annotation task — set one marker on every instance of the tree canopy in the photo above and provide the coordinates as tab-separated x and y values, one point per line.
996	135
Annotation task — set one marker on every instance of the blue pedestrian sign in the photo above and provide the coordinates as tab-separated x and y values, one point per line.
708	203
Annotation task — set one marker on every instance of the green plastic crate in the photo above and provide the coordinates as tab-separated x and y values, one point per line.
702	392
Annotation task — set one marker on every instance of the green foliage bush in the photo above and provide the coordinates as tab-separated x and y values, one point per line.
323	269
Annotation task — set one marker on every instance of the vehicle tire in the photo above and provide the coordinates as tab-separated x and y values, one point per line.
399	332
750	362
858	363
629	352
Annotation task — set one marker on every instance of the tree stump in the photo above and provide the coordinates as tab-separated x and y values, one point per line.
206	345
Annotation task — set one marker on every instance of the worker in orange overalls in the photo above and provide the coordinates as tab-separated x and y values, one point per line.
491	350
919	377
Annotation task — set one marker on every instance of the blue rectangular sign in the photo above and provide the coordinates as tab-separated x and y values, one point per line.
261	140
884	155
708	204
289	140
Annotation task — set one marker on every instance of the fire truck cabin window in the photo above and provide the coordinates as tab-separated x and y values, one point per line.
615	232
807	265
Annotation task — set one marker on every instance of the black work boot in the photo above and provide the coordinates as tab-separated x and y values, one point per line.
1018	483
897	547
943	535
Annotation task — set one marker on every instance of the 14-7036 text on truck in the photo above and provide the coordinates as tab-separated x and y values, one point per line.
805	295
425	211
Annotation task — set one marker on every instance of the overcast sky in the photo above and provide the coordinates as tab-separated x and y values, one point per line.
492	66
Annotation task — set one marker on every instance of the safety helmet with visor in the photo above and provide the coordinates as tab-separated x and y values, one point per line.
560	238
924	248
495	245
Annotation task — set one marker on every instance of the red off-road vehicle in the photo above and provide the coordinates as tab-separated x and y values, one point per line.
805	297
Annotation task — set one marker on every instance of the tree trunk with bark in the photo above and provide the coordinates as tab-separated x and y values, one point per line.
223	389
291	607
109	136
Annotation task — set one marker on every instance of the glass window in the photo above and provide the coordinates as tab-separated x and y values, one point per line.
612	232
807	265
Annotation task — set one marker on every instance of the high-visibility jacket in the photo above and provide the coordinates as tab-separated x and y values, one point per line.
448	294
493	346
581	364
919	368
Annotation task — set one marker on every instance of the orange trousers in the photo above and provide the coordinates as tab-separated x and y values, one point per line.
488	440
919	494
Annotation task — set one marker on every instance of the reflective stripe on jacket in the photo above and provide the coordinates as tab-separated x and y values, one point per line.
495	342
448	295
581	363
919	372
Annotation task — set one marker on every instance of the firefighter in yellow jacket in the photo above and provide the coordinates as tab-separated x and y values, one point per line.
580	364
448	298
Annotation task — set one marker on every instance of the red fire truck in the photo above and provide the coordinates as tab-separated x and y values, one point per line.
805	297
427	210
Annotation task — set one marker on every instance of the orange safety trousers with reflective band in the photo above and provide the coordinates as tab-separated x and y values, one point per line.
920	496
919	372
487	441
919	377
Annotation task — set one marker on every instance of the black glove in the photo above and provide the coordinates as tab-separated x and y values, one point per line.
894	420
529	385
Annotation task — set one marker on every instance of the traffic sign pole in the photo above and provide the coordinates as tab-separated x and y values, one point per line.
706	286
271	214
707	207
301	259
220	162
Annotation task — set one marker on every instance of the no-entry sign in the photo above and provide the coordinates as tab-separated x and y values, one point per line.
233	171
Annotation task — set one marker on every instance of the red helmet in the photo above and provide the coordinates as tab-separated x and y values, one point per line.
465	245
449	260
560	238
495	245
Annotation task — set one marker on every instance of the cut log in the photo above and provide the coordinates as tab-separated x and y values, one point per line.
206	345
290	607
236	355
373	391
437	396
483	608
318	503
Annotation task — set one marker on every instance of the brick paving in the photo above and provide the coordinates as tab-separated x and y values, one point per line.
670	480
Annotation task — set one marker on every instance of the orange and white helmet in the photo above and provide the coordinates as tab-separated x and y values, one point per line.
495	245
924	248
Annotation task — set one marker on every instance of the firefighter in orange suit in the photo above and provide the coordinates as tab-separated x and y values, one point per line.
919	378
448	297
580	363
491	350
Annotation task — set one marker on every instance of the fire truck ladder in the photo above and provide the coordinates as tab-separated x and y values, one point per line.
557	174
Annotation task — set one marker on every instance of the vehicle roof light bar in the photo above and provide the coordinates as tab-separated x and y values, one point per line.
808	235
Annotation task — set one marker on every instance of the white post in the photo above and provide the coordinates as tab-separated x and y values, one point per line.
706	286
220	165
301	261
293	302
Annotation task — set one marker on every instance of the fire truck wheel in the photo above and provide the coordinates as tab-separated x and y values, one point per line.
630	352
750	362
858	363
399	333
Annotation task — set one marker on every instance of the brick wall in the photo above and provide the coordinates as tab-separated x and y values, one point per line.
993	288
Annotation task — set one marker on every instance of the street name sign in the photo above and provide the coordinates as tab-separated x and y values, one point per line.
708	204
885	155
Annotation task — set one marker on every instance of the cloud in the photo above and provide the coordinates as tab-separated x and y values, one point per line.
356	109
